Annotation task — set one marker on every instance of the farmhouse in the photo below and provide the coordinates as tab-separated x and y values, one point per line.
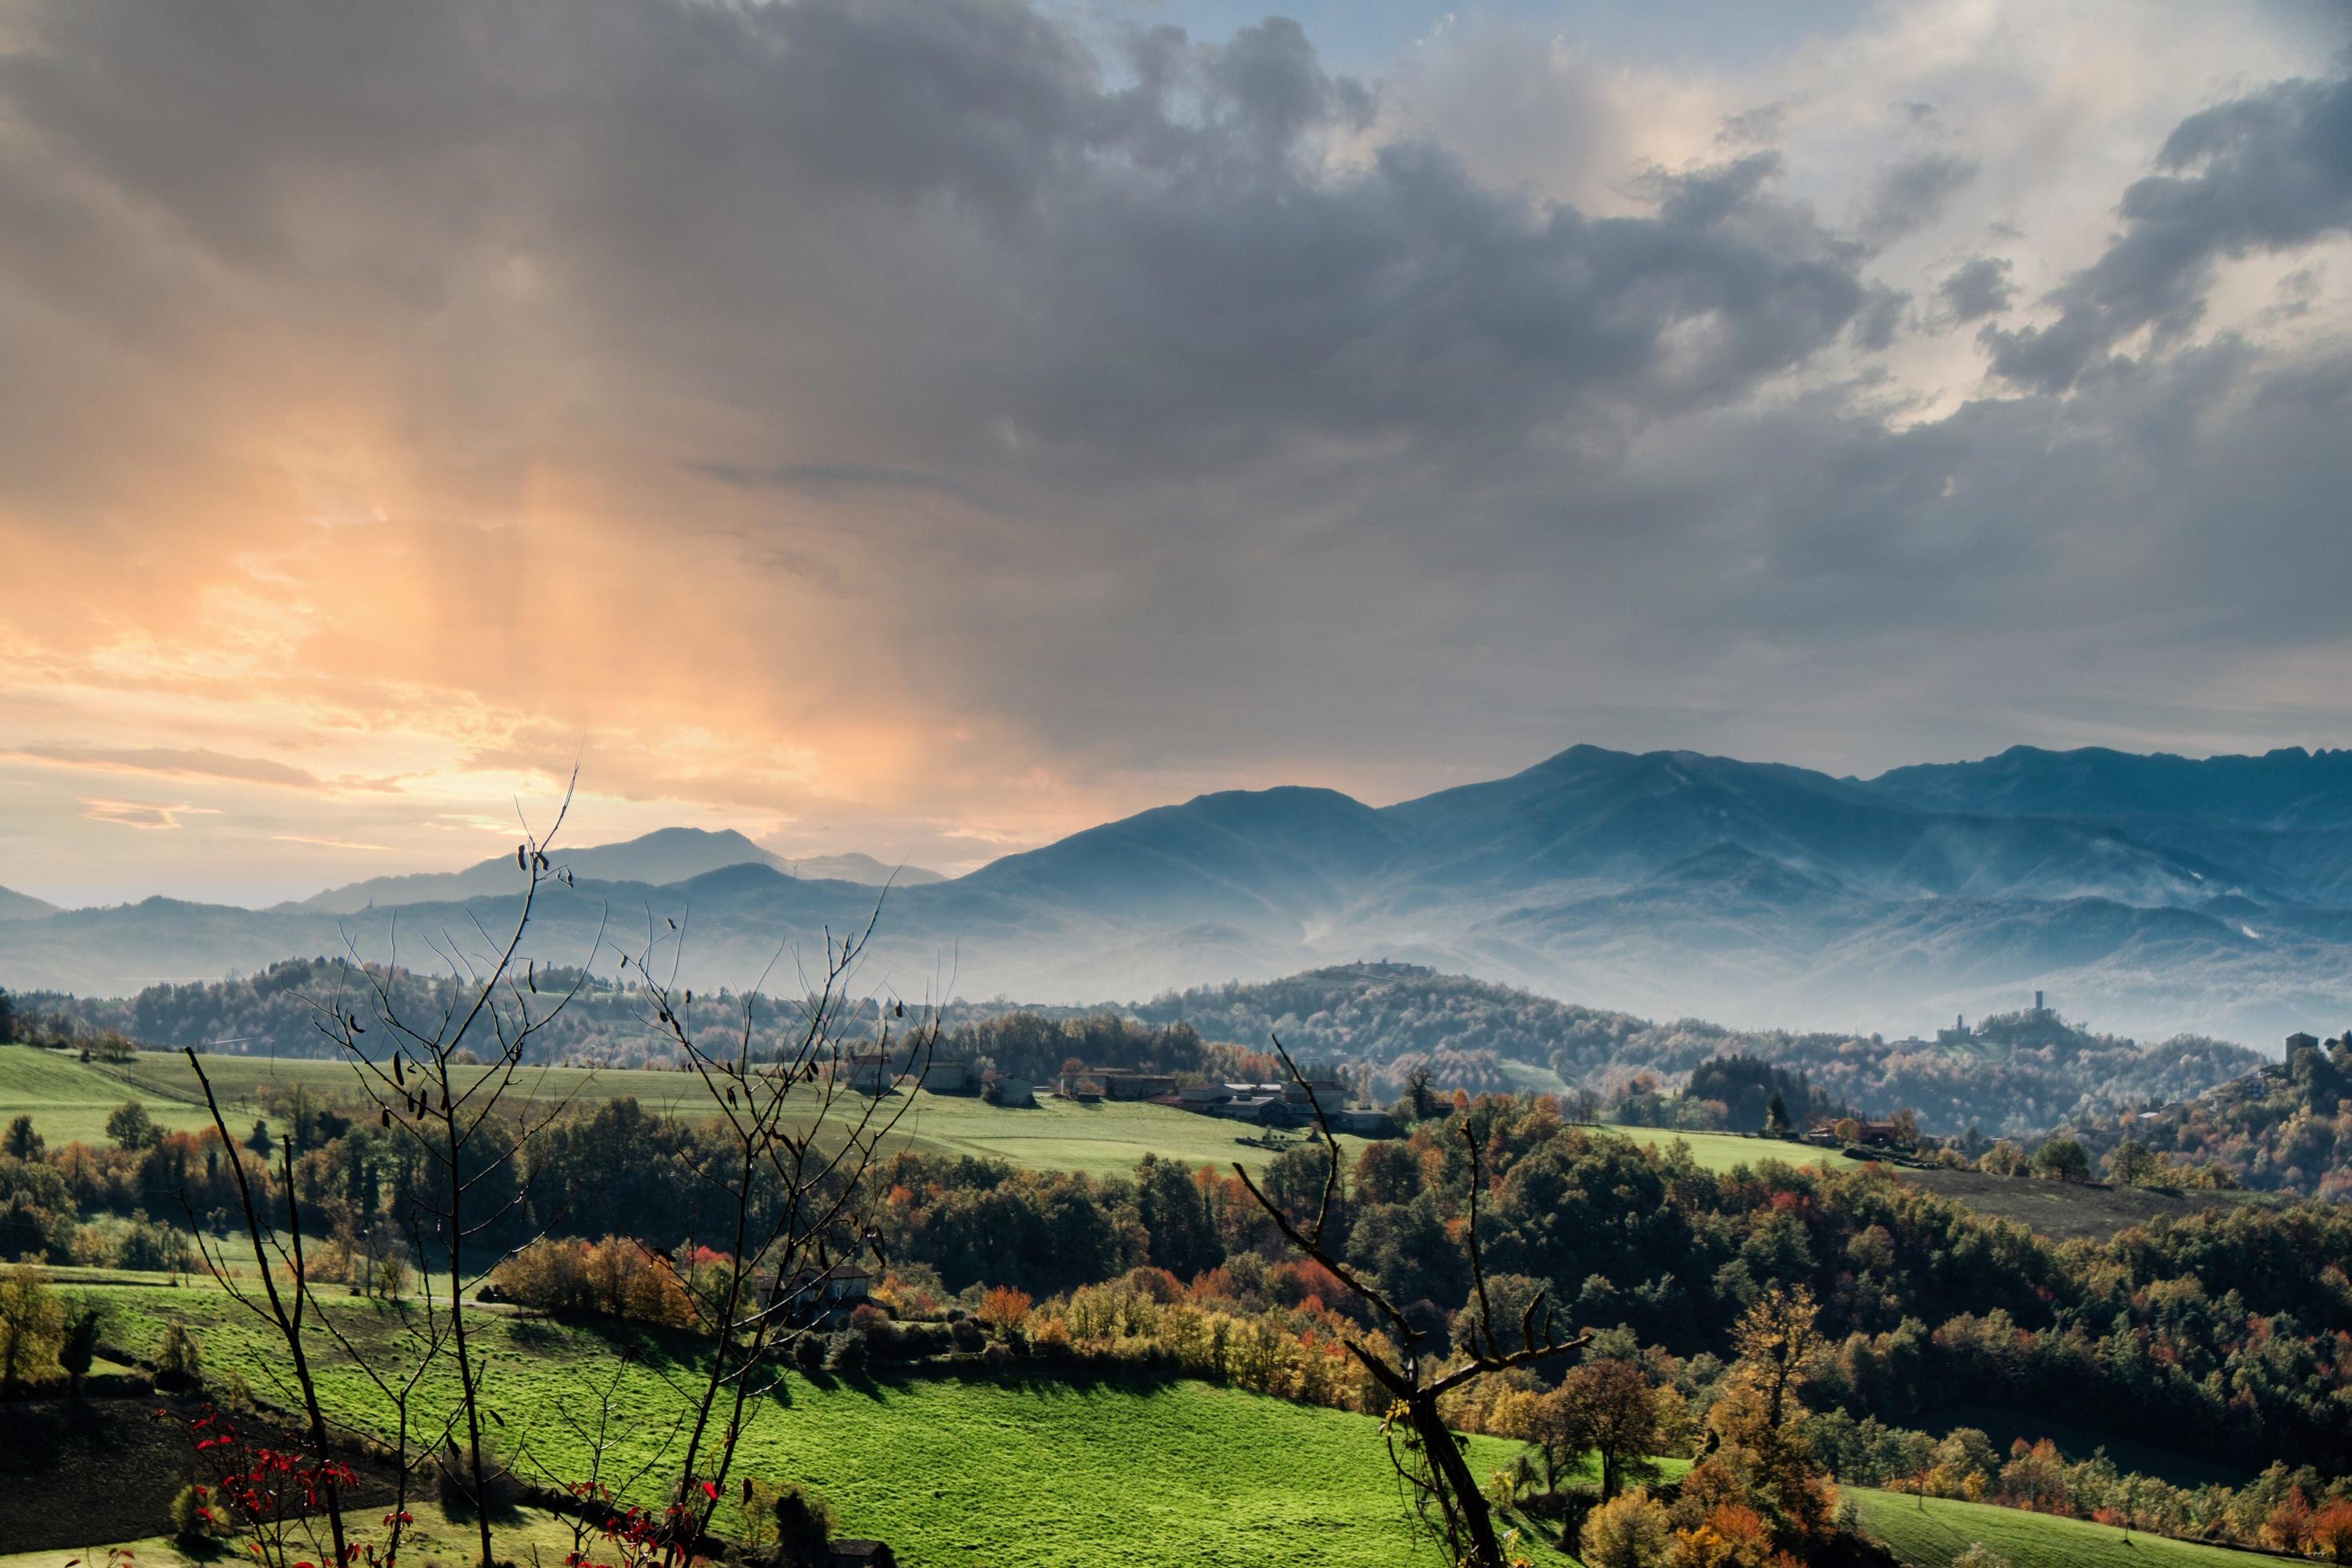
829	1295
868	1072
1114	1083
948	1074
1002	1088
1327	1092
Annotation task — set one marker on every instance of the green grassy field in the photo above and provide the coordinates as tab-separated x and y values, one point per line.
69	1099
1019	1472
1728	1151
1931	1537
529	1536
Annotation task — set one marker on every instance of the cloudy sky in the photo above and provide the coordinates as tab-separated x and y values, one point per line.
928	427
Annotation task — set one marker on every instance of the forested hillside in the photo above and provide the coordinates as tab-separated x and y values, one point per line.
2287	1127
2017	1073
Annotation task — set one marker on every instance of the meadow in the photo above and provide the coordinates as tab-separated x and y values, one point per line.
70	1100
1721	1151
1014	1470
1930	1536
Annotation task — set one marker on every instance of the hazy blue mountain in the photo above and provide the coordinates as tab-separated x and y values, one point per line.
2282	821
16	906
1668	882
1589	814
2287	788
863	870
664	856
1258	859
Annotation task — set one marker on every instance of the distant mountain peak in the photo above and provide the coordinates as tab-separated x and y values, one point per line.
16	906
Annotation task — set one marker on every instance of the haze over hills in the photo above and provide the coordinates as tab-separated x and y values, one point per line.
2156	894
659	858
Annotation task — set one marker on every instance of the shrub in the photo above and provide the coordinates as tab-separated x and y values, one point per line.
453	1482
1978	1555
195	1524
846	1351
179	1360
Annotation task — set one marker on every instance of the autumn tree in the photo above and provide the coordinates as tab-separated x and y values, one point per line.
1611	1409
1755	1428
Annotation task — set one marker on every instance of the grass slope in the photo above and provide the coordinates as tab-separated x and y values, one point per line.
531	1535
1721	1151
69	1099
2067	1211
1014	1472
1932	1537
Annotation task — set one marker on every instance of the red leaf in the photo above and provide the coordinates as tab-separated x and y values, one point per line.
710	1491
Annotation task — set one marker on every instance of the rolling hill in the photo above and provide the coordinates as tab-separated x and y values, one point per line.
2157	894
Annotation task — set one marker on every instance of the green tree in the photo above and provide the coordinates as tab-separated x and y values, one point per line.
2134	1164
77	1346
132	1127
2064	1158
1776	1115
1420	1096
21	1143
32	1326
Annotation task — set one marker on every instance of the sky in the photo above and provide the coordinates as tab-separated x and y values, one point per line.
928	428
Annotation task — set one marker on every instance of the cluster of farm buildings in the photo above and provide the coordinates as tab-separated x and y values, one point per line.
1260	1104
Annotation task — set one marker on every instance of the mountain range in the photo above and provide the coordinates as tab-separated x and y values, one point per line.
2153	894
656	860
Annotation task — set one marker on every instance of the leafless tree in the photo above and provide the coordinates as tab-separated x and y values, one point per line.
591	1418
449	1083
798	1135
274	1252
1426	1454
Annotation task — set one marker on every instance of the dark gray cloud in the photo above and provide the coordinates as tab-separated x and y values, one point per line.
1910	195
1978	289
1153	258
1881	320
1199	419
2265	173
833	481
